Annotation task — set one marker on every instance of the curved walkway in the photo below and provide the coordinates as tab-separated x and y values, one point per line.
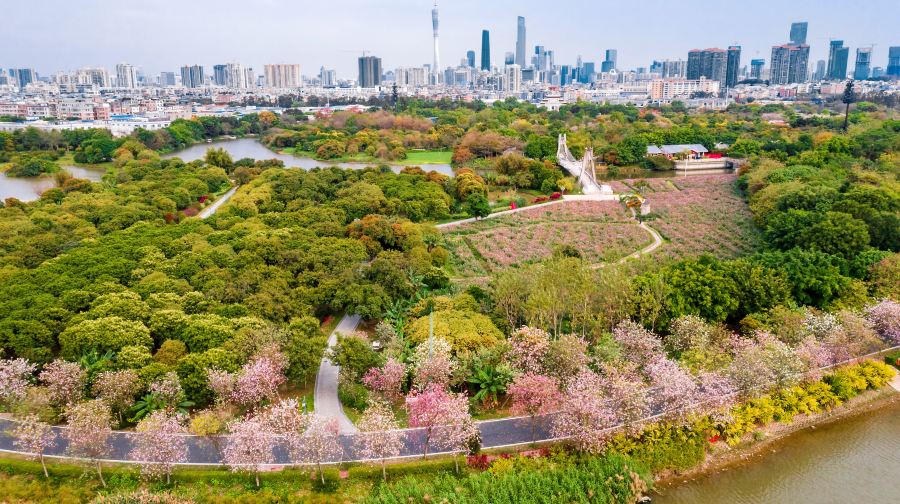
210	210
325	399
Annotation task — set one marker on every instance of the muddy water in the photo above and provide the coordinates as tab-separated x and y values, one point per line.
856	460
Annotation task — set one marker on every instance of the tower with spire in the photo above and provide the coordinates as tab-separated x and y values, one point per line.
436	69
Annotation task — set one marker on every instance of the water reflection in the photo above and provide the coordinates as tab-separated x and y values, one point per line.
30	188
251	148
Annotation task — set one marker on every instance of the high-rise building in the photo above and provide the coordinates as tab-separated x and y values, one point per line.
756	66
820	71
411	76
436	69
369	71
470	58
92	77
711	63
733	66
586	73
219	75
126	76
509	59
893	66
609	63
798	33
837	60
167	79
22	76
877	72
863	66
327	78
789	64
192	76
281	75
520	42
486	50
512	78
543	59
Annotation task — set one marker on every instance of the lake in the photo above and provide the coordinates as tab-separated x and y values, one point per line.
852	460
30	188
252	148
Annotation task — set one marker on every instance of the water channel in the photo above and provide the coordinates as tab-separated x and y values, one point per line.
251	148
848	461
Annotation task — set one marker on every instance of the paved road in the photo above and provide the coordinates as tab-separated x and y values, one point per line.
573	197
208	211
326	395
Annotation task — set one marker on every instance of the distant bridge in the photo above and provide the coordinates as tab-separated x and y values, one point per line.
583	170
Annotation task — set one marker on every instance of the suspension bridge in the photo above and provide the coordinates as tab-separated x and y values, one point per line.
583	170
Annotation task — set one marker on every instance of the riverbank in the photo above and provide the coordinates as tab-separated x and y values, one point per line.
772	438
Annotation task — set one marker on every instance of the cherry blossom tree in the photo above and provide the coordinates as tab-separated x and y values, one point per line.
533	395
250	446
222	384
885	318
259	379
379	435
433	408
285	420
65	381
168	390
89	432
320	441
118	389
528	348
387	381
159	444
14	376
432	364
457	429
715	392
35	437
674	390
638	344
585	414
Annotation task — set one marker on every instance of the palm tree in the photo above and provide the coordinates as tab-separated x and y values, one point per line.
848	98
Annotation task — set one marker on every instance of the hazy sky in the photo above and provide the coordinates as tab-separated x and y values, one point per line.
156	35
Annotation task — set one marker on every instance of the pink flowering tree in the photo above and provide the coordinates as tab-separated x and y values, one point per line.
222	383
118	389
64	380
320	441
89	431
285	421
257	381
528	348
432	364
249	447
159	444
379	436
386	382
626	392
639	345
167	389
433	408
533	395
673	388
885	318
585	414
35	437
14	377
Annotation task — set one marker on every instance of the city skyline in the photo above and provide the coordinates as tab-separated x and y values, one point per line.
152	49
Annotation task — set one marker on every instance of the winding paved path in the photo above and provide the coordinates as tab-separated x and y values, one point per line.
326	401
208	211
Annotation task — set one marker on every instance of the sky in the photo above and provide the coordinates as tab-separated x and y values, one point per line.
163	35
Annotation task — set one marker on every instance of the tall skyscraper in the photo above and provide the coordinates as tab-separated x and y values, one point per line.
327	78
126	76
609	63
789	64
837	60
509	58
512	81
369	71
192	76
756	67
281	75
893	66
798	33
520	42
167	79
23	76
470	58
733	66
436	69
863	66
219	75
710	63
485	50
820	70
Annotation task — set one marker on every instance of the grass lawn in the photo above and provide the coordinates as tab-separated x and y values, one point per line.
69	159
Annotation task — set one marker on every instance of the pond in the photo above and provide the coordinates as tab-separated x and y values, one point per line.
851	460
30	188
252	148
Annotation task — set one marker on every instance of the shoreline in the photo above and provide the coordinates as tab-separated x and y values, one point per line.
723	458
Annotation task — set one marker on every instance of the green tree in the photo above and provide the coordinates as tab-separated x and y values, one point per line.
477	205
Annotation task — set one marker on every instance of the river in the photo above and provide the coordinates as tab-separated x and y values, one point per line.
852	460
30	188
251	148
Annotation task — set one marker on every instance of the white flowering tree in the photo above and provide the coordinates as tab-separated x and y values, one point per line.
379	435
250	446
35	437
159	444
320	441
89	432
14	375
65	382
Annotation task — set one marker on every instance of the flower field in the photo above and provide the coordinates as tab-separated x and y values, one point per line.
700	214
601	231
